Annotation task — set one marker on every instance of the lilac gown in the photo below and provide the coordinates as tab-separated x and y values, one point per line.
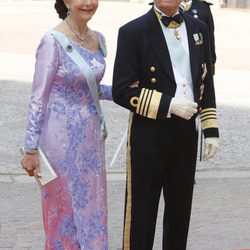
63	120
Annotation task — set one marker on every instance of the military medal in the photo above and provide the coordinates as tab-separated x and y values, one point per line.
195	13
177	34
198	38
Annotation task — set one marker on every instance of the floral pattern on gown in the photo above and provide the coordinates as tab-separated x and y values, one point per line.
63	120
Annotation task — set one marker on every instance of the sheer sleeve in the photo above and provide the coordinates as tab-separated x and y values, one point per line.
45	69
106	92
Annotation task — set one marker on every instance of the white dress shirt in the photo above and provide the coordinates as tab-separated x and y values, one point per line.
184	88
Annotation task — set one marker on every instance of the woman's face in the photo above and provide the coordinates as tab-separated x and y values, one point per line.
82	9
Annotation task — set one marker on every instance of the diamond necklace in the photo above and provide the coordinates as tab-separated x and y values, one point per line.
83	37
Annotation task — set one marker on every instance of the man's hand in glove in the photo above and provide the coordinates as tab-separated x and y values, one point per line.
183	108
211	147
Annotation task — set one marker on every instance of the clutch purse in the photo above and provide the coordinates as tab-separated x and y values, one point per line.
47	172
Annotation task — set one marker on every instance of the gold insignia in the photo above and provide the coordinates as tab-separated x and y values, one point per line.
211	123
148	103
154	104
204	69
208	118
127	225
134	101
143	100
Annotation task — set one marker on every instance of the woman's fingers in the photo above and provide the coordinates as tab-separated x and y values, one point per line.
30	173
31	165
37	172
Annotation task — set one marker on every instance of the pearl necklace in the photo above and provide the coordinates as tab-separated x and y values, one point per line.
83	37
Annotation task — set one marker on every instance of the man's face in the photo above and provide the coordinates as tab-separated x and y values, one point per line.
169	7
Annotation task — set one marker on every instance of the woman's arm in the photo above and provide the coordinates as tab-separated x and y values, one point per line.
45	69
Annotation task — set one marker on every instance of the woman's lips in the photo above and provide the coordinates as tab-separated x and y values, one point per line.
87	10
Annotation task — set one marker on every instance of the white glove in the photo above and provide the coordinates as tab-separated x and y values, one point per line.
183	108
211	147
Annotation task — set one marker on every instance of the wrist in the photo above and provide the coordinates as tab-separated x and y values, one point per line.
31	152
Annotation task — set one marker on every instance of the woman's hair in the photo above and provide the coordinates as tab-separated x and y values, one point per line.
61	9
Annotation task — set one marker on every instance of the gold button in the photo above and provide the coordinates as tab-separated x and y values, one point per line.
152	69
200	98
200	109
202	87
153	80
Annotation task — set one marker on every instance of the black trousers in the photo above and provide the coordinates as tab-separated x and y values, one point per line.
161	156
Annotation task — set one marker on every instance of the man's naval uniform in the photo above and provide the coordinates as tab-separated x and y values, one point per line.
161	150
201	9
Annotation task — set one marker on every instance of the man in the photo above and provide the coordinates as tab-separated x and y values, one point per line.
201	9
163	75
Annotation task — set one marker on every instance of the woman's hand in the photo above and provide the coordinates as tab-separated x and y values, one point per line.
30	162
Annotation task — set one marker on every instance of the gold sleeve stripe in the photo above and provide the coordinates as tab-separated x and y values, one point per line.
147	103
208	117
210	123
208	112
208	109
212	110
154	104
139	101
143	101
127	226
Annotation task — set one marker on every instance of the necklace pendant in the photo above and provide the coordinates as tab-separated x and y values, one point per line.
80	37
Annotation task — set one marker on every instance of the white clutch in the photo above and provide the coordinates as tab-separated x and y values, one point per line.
47	172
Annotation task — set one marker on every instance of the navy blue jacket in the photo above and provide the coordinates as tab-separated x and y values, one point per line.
142	56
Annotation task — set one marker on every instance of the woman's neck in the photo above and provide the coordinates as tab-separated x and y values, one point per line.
79	25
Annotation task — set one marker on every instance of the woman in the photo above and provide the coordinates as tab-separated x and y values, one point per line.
63	120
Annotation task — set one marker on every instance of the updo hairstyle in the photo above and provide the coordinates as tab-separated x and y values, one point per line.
61	9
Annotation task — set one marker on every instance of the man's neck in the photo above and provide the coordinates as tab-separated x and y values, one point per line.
167	12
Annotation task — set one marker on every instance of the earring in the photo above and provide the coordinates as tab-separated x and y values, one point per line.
69	12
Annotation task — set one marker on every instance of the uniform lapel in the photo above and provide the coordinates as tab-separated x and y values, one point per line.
158	43
194	52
